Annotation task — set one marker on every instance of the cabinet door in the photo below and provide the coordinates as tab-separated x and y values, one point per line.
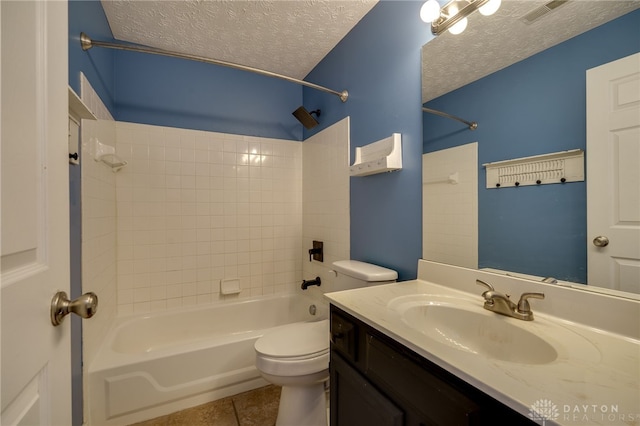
355	402
420	392
344	336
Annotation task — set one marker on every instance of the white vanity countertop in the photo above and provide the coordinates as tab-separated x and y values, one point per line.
594	380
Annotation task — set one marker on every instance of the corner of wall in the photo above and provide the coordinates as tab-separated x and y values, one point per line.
98	223
325	205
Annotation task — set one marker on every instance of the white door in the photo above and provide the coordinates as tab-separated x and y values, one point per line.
613	175
35	358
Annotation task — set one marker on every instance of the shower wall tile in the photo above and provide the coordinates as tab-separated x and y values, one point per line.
450	211
98	223
326	202
196	207
92	100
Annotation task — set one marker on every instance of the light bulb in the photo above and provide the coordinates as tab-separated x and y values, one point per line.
461	24
430	11
459	27
490	8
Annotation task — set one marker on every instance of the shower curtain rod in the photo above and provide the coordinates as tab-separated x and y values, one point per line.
472	124
87	43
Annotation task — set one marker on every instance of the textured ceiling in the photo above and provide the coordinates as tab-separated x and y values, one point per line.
285	37
492	43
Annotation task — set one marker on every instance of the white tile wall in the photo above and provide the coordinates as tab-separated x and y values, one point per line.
92	100
196	207
98	223
326	201
450	212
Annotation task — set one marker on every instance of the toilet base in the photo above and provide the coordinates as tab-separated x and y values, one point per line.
302	406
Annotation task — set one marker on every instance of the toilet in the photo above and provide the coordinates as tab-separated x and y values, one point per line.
296	356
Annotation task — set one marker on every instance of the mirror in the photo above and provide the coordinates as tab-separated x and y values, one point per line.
525	85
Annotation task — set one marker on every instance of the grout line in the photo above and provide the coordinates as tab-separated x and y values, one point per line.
235	411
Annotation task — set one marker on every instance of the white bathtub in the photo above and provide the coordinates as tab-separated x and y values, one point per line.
156	364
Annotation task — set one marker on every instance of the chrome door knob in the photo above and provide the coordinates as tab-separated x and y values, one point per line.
84	306
600	241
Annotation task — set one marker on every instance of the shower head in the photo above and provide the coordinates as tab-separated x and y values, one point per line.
305	117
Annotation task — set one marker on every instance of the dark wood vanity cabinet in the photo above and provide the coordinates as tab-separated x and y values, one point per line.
377	381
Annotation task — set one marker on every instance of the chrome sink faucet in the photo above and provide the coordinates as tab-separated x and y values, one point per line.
501	304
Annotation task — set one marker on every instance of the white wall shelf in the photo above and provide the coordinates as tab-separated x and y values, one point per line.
77	109
382	156
77	112
556	167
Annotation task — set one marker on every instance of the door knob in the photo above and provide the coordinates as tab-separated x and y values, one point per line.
85	306
600	241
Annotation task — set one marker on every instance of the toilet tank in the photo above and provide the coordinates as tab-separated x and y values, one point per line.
355	274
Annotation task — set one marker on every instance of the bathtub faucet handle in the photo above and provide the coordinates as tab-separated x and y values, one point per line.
316	253
307	283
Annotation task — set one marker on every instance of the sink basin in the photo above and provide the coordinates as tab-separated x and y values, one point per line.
462	325
478	333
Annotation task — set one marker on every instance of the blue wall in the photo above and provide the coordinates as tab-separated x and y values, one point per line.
148	89
533	107
180	93
378	62
97	64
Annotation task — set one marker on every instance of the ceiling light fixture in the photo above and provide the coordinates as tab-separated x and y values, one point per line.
490	7
460	24
430	11
453	15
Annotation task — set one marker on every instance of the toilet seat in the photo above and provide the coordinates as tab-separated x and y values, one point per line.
293	368
294	350
295	340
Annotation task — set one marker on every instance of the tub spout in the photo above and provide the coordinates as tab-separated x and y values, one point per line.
307	283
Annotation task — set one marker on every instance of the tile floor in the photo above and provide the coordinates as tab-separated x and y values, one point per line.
258	407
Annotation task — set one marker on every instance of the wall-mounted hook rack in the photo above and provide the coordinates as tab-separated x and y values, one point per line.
555	167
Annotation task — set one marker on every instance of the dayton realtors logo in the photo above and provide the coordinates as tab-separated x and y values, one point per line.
544	409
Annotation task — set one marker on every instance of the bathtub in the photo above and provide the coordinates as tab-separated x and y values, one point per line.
155	364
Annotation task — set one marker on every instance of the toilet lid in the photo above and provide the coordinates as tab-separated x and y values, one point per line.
295	340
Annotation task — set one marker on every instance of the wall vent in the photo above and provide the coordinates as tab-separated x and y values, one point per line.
541	11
